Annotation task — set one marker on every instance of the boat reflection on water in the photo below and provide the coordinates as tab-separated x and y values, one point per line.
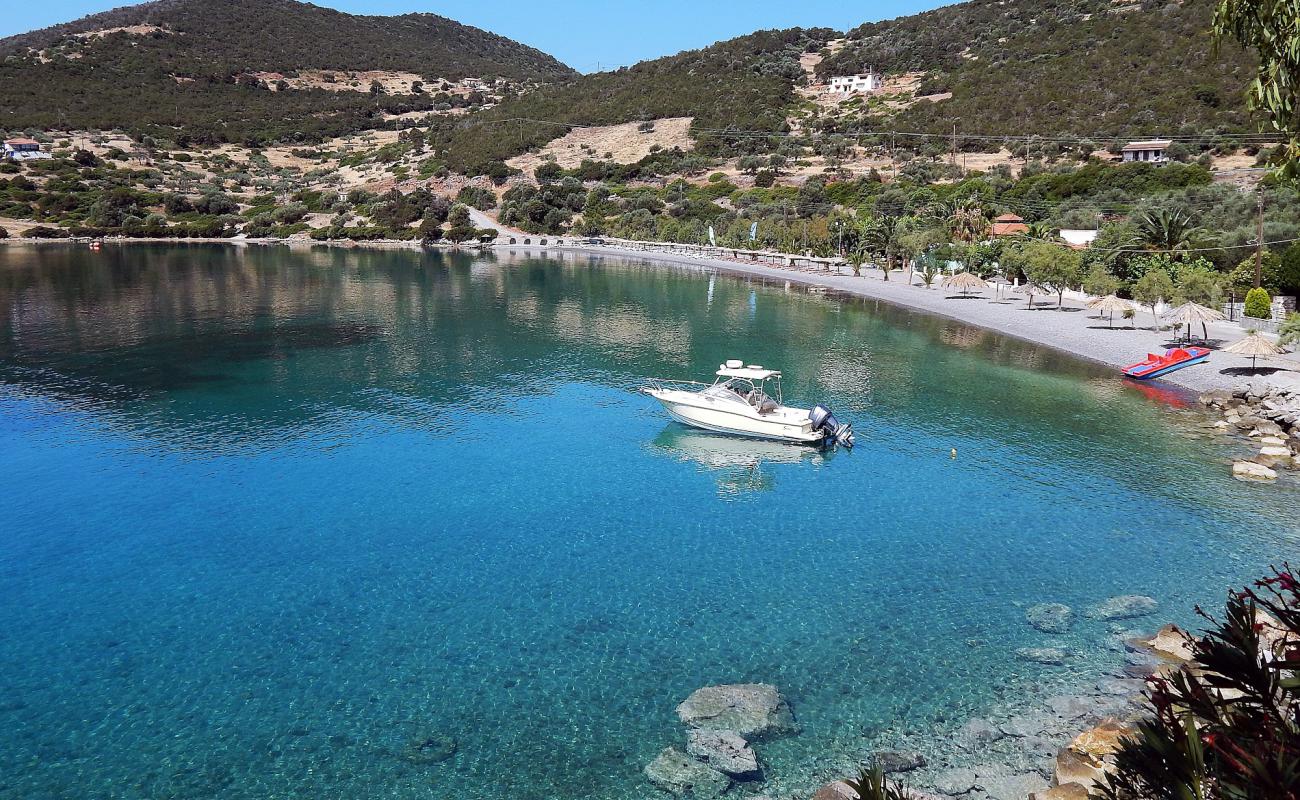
737	461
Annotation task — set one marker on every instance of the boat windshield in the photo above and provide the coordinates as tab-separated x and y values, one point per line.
745	391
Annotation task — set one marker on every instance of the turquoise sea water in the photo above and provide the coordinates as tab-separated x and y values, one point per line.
272	518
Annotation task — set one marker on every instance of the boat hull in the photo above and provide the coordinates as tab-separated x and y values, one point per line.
1163	365
697	413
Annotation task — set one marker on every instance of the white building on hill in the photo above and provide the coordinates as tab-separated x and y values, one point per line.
869	81
23	150
1152	150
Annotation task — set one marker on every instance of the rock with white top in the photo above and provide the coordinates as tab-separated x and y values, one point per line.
1272	456
1251	471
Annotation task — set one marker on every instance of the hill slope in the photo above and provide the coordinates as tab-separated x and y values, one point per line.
191	64
1058	66
745	83
1096	68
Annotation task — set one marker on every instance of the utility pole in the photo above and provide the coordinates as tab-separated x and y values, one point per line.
1259	235
954	144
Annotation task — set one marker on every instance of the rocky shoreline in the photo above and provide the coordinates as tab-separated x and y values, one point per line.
1269	417
1053	749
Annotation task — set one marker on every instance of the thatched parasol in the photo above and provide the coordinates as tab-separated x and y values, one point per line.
1110	304
965	282
1032	289
1188	313
1254	346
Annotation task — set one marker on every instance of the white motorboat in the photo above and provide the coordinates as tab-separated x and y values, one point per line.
745	400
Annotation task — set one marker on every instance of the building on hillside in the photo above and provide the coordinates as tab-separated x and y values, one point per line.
1078	239
862	83
1152	150
23	150
1009	225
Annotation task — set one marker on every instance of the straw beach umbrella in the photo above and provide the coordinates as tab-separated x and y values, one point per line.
1110	304
1031	289
1255	346
1188	313
965	282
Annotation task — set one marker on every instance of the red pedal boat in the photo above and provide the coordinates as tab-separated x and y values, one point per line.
1175	358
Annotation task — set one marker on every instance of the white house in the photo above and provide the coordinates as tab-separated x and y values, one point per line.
1152	150
869	81
23	150
1078	239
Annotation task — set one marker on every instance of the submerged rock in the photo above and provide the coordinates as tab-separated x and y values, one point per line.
1005	785
892	761
957	781
679	774
1050	617
977	733
726	751
1053	656
1125	606
749	709
430	749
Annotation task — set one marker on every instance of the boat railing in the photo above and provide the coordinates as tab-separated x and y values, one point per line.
669	384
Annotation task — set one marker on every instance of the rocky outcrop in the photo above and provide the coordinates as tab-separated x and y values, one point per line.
1126	606
838	790
679	774
1251	471
720	720
1050	617
725	751
1170	643
750	709
1267	414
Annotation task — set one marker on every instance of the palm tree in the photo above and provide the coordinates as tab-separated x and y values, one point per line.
1165	229
1040	231
881	238
968	223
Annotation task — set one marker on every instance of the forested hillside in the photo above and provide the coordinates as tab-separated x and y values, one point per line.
190	65
1057	66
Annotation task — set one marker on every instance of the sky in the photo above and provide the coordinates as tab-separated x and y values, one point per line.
588	35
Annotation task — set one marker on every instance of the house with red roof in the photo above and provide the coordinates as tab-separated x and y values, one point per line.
23	150
1009	225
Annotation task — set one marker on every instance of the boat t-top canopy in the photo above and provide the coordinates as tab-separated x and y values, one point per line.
753	372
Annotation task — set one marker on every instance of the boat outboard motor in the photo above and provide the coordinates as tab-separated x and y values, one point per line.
823	420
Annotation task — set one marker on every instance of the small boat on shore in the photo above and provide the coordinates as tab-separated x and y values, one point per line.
1173	359
745	400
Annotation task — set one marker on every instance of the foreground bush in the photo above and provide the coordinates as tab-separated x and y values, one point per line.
1230	726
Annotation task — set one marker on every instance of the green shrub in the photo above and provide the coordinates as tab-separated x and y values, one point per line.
1258	304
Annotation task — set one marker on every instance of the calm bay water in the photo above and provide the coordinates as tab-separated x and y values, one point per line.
271	517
